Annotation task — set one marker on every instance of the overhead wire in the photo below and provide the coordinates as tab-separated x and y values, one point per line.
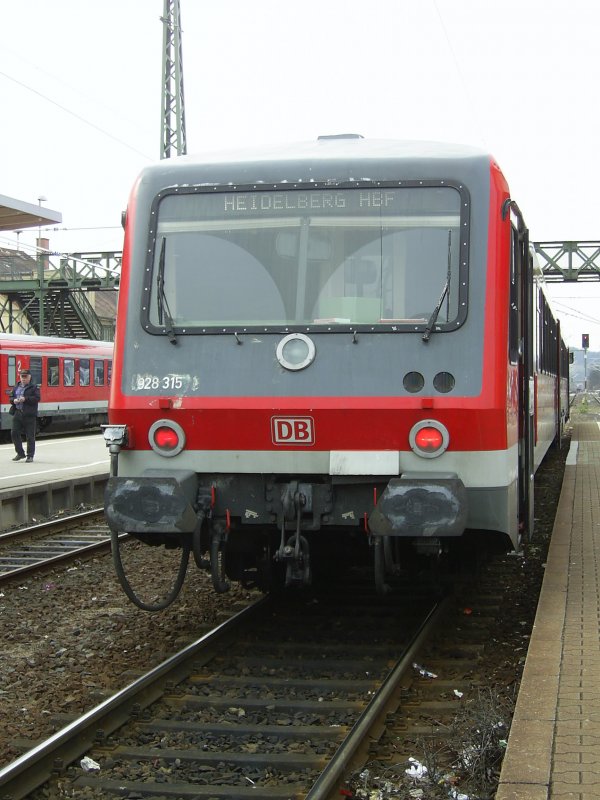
469	104
574	312
86	228
69	86
74	114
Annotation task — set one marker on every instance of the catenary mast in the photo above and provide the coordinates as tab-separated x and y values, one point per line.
173	141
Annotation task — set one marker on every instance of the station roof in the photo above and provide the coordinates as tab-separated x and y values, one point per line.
15	214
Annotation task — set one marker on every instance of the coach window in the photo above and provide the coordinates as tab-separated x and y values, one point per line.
68	372
12	370
98	373
35	367
52	371
109	372
84	372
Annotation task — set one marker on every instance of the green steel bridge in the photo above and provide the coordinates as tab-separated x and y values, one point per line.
74	295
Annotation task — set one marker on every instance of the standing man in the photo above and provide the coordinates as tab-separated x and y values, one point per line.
24	400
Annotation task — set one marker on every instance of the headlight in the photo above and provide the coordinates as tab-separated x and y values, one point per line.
295	351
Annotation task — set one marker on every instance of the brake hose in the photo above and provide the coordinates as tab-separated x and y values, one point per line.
126	586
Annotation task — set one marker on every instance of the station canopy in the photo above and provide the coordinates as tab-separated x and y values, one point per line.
16	215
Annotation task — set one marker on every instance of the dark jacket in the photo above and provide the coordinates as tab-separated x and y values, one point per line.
31	394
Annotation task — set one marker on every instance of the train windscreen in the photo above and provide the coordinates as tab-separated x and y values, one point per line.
311	257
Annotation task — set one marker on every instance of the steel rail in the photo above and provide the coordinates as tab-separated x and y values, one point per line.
49	524
35	767
60	558
329	779
66	556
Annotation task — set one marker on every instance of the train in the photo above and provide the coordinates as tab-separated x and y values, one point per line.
74	377
333	347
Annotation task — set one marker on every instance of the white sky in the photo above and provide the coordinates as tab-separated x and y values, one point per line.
80	91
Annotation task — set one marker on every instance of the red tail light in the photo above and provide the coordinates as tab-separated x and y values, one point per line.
429	438
166	437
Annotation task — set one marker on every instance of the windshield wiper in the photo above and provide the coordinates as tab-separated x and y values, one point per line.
161	297
445	293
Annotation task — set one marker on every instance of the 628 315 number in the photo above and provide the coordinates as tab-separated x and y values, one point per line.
145	382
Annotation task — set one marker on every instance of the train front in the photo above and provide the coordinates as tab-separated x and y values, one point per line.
300	356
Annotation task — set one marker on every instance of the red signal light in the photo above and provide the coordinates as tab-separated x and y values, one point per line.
166	438
429	440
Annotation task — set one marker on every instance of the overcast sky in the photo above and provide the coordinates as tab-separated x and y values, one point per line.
80	89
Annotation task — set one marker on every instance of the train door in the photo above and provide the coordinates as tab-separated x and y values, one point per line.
523	295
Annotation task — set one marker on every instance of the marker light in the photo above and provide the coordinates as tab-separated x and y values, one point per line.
413	382
166	438
444	382
429	438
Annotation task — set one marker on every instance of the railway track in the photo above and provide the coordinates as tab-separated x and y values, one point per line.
35	547
274	703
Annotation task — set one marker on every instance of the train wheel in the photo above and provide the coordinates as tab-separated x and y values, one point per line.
217	563
391	555
387	561
381	586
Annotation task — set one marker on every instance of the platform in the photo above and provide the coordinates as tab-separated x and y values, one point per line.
554	744
66	472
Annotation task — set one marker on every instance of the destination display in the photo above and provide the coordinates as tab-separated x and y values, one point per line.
410	201
302	201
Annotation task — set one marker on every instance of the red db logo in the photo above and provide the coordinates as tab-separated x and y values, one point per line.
293	430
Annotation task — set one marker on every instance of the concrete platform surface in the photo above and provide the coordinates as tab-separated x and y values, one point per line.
554	744
56	458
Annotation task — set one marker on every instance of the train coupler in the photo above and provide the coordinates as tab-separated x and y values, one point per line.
295	550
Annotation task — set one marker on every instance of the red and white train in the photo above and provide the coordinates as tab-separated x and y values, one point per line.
336	344
73	375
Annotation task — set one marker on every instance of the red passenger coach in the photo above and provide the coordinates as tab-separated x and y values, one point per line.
74	376
328	352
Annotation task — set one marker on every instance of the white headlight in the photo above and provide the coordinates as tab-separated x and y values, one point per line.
296	351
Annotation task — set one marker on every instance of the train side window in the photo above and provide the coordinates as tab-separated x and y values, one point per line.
69	372
98	373
84	372
12	370
52	371
35	367
108	372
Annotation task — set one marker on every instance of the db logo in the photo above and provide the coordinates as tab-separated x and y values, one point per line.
293	430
